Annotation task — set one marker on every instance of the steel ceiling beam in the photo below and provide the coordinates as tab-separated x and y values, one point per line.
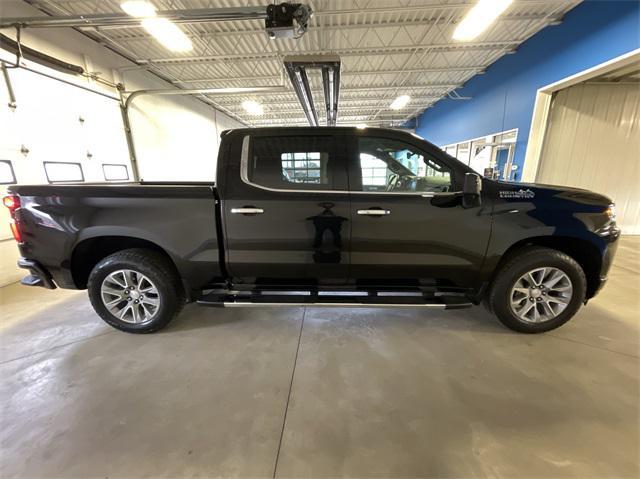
360	102
123	19
362	89
353	110
420	8
325	28
342	52
471	69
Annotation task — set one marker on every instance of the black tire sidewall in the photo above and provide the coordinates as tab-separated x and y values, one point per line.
146	264
507	278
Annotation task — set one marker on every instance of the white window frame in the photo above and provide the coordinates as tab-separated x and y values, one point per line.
50	181
13	173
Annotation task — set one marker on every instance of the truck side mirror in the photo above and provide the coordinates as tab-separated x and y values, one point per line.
472	185
471	189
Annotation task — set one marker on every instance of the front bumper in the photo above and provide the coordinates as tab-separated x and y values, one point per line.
38	276
607	261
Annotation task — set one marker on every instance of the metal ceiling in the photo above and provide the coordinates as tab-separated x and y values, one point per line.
387	48
628	74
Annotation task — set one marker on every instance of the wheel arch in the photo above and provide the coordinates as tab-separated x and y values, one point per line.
87	253
585	253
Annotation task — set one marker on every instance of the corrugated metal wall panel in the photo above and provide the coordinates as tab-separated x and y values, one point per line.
593	142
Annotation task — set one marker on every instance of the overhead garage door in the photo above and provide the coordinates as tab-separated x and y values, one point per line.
593	141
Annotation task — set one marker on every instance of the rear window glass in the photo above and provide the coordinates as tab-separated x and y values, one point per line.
293	163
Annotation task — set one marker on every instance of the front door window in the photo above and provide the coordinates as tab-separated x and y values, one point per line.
393	166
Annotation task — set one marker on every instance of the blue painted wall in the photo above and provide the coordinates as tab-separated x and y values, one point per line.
503	98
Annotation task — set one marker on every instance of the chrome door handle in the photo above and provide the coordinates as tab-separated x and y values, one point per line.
374	212
247	211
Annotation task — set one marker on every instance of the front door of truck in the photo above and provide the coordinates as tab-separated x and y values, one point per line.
398	235
286	209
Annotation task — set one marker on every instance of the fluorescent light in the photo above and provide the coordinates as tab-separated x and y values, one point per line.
253	107
361	126
138	8
168	34
400	102
479	18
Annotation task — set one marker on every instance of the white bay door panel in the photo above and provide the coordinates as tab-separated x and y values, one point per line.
593	141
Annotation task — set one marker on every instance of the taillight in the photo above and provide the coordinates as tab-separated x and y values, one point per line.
15	229
13	203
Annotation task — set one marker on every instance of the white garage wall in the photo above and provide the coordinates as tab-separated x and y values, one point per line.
593	141
176	138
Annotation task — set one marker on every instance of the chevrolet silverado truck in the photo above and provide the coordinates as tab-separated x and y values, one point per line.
321	217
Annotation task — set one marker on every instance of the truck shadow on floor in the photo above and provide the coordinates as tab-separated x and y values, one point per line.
472	319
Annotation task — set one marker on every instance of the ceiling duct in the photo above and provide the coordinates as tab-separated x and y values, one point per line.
297	67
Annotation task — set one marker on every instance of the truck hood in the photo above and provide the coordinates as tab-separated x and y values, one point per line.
536	190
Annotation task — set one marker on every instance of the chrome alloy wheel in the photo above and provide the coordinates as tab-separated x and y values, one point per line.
130	296
541	294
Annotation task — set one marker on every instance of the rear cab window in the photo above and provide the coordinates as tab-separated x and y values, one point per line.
304	163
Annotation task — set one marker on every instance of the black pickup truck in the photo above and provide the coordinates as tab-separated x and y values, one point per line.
325	217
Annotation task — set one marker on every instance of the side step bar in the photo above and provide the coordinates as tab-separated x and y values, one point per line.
241	304
235	299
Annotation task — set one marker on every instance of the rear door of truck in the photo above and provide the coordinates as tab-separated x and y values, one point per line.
285	207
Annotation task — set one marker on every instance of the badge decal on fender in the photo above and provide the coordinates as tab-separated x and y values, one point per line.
519	194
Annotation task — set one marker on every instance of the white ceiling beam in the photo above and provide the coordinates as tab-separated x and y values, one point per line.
320	28
420	8
469	69
360	110
359	102
441	47
346	91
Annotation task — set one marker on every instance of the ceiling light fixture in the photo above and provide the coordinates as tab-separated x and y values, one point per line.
167	33
479	18
138	8
253	107
361	126
400	102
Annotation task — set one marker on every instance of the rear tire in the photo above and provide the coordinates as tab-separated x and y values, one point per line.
136	290
538	290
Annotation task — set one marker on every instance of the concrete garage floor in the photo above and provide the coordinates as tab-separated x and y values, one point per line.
321	392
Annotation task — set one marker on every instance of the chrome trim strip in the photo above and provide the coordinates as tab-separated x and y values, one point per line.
244	160
285	293
399	293
343	293
374	212
244	175
332	305
247	211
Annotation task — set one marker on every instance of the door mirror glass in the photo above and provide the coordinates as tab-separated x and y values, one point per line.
472	185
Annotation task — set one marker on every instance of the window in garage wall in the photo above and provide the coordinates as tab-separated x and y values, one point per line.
304	167
62	172
490	155
115	172
7	176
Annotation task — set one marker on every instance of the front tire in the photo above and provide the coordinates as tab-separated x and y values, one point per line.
538	290
135	290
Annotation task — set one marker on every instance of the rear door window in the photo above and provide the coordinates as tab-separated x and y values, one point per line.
296	163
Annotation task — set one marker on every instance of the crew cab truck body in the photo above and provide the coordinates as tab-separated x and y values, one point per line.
321	216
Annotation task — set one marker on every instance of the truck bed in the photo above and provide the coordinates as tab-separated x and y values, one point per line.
63	223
